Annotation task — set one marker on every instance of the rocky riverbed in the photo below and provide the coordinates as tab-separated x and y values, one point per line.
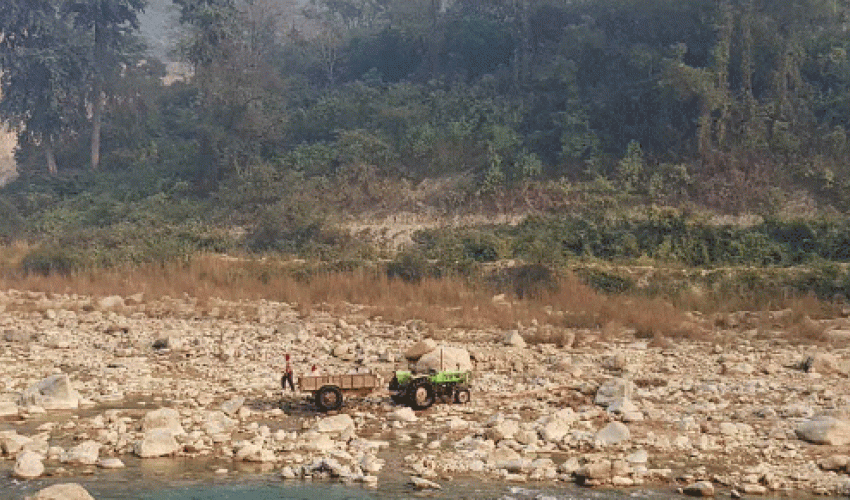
96	384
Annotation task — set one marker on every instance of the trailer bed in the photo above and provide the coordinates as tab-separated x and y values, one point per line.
353	382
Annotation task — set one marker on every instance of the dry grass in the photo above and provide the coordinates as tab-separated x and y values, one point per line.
443	303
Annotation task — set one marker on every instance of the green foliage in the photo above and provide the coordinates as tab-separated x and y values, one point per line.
51	260
11	222
605	281
411	267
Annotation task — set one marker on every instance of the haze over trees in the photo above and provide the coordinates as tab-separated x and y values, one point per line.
296	107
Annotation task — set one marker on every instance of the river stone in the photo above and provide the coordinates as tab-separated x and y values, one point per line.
28	465
501	457
613	390
420	349
67	491
8	409
156	443
336	424
825	364
514	339
11	442
613	433
445	358
83	454
599	470
218	423
52	393
825	430
834	462
423	484
110	463
231	406
557	425
163	418
405	414
638	457
699	489
505	429
111	302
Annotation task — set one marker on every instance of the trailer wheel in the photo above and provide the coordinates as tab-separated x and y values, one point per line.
421	395
329	398
462	396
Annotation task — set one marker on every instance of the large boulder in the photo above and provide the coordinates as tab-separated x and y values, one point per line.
28	465
156	443
613	433
825	430
53	393
825	364
420	349
505	429
218	423
336	424
557	425
85	453
699	489
514	339
11	442
613	390
8	409
163	418
445	358
68	491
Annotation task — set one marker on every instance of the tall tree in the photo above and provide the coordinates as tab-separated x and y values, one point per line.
110	24
42	68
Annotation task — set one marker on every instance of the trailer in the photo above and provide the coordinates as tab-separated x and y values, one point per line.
328	389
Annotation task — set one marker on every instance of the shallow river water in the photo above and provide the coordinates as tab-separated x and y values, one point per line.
185	480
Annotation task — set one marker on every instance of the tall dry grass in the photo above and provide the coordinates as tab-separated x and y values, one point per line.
442	302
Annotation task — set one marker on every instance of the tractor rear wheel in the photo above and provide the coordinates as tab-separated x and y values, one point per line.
329	398
421	395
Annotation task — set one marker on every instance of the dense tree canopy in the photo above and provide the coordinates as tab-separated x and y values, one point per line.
651	94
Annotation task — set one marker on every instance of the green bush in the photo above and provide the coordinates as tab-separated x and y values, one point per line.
51	260
411	267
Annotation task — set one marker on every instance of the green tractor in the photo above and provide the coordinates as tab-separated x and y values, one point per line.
421	391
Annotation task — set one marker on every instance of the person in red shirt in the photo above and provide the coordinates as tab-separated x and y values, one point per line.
287	376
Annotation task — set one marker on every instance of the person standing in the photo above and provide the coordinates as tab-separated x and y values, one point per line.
287	376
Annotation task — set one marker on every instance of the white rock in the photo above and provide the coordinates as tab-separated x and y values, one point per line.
825	430
111	302
110	463
613	433
53	393
163	418
8	409
405	414
217	422
11	442
558	425
231	406
423	484
420	349
28	465
445	358
85	453
68	491
514	339
156	443
613	390
336	424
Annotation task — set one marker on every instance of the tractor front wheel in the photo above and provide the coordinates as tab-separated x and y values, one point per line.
329	398
421	395
462	396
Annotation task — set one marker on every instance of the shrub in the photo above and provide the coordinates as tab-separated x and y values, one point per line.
51	260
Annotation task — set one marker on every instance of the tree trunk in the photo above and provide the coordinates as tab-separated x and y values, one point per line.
97	96
97	114
50	156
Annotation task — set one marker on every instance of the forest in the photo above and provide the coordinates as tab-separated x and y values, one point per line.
297	116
